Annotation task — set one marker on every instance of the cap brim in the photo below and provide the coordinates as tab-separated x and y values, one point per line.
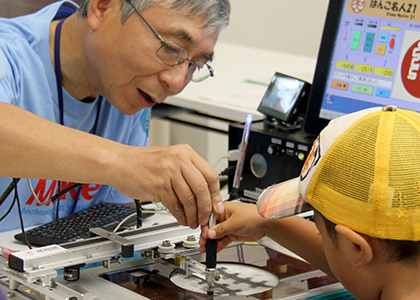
282	200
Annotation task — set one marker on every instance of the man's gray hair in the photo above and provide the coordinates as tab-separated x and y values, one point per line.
216	11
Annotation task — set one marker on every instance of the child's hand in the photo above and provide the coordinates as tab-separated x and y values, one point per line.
239	222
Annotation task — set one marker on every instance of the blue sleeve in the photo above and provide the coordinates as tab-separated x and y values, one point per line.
2	296
8	85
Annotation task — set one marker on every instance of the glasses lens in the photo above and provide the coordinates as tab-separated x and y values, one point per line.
172	54
198	71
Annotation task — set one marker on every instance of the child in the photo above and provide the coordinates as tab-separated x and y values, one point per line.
362	179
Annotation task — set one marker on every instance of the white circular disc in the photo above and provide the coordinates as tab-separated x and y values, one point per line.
235	280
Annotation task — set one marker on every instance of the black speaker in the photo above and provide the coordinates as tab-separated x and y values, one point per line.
272	156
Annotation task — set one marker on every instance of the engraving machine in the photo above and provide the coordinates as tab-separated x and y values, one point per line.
37	268
59	272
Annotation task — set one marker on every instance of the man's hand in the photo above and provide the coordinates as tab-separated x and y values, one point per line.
176	176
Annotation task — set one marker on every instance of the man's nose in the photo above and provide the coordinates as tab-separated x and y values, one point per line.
175	77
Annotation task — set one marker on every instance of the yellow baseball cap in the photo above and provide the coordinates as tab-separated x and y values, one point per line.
363	172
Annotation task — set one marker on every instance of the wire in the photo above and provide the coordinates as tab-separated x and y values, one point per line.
35	195
220	159
7	191
9	210
58	195
161	211
16	198
66	190
229	171
124	220
13	185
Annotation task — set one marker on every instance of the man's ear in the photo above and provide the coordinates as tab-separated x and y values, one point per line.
97	10
360	245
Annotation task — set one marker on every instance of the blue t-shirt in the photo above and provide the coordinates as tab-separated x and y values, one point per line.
31	84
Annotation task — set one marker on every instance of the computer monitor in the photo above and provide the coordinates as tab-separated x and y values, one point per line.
369	56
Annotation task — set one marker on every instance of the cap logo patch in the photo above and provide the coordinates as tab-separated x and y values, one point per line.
312	159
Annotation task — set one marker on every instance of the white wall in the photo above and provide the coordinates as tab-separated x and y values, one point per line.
293	26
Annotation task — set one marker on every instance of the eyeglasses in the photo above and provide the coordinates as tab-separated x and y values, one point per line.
172	54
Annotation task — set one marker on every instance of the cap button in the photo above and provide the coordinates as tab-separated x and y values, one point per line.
389	108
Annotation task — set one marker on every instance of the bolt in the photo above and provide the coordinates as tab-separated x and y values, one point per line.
166	243
191	238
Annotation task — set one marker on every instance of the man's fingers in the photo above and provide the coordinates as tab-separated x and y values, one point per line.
211	177
200	189
193	190
187	200
171	202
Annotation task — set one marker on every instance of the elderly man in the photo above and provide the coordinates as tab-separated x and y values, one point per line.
75	105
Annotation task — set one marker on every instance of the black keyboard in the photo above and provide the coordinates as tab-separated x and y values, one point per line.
77	225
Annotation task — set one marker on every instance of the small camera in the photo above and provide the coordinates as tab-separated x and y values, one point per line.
285	97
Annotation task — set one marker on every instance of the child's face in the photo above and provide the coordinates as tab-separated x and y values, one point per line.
339	259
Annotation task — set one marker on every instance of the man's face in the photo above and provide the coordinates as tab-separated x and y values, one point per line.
129	74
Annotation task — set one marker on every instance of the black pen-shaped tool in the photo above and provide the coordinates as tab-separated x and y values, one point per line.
211	259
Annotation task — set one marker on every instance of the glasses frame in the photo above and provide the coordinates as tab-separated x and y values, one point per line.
179	61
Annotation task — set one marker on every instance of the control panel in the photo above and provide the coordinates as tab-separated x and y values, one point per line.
272	156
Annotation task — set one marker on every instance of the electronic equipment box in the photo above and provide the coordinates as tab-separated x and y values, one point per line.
272	156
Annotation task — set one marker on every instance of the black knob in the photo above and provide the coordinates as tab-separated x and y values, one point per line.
274	149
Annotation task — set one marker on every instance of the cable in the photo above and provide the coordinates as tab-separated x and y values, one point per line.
282	126
123	221
16	198
66	190
220	159
225	174
35	195
13	185
165	212
9	210
8	190
5	194
228	171
54	197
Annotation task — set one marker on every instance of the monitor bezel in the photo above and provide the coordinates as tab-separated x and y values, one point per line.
313	123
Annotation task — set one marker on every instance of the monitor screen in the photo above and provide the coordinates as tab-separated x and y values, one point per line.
369	56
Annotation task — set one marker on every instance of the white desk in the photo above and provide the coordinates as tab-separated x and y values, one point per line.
229	95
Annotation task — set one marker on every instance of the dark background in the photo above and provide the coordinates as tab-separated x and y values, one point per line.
13	8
